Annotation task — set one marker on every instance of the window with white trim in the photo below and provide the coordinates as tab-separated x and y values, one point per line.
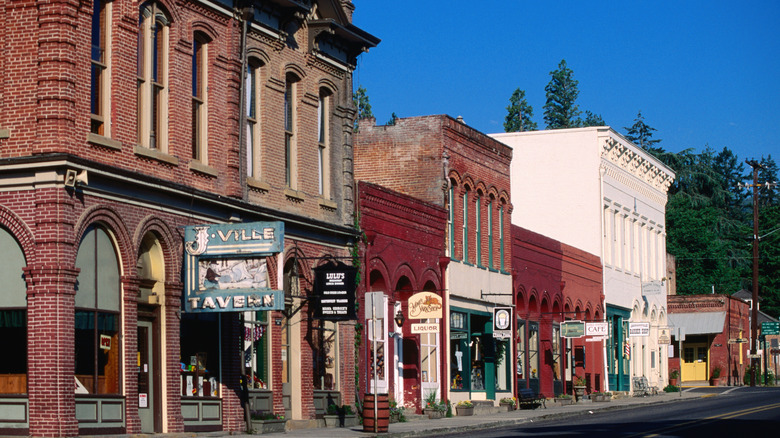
153	37
200	46
252	102
290	147
100	58
323	149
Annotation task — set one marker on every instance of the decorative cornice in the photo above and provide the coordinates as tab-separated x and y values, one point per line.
636	163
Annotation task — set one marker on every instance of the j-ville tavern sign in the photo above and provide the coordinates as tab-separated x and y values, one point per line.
225	267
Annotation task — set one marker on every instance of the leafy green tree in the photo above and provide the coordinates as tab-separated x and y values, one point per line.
560	110
519	113
362	105
642	135
591	120
732	172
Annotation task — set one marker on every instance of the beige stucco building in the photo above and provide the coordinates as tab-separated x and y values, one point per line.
593	189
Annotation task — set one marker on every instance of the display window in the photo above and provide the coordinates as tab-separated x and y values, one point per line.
522	373
533	355
459	345
502	364
97	326
200	359
256	349
13	317
325	339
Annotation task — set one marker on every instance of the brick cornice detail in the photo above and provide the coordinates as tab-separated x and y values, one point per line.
43	275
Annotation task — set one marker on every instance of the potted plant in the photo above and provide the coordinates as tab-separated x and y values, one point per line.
580	384
601	396
715	376
464	407
396	412
563	399
342	416
267	422
510	403
434	408
673	376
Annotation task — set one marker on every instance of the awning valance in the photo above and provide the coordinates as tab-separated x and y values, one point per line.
702	323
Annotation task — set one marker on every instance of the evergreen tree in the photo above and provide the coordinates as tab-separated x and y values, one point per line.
591	120
519	113
731	172
393	118
362	105
641	135
767	177
560	110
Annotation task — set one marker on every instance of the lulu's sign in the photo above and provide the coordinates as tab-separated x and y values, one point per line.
425	305
334	289
225	267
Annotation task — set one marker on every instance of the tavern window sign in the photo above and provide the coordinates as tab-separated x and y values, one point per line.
225	267
334	291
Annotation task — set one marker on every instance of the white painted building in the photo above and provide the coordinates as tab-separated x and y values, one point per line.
593	189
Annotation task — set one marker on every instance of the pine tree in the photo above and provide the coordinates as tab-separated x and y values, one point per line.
591	120
642	135
519	113
560	110
362	106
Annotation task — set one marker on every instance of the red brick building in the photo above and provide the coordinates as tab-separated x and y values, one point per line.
120	124
555	282
442	161
710	322
403	256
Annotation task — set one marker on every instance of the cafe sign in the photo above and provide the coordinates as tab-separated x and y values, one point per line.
425	305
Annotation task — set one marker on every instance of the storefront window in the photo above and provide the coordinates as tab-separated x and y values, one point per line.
13	317
521	362
477	348
200	354
429	363
325	343
97	315
533	350
459	354
556	351
257	350
502	364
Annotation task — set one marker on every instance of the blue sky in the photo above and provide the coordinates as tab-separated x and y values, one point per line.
700	72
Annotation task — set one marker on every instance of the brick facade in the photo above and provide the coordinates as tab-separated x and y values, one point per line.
133	191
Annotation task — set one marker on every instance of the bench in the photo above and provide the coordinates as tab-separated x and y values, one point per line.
528	398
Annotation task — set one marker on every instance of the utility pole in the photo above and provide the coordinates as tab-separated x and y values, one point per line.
754	314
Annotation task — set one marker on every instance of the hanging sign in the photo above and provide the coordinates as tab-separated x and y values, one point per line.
225	267
502	322
572	329
597	329
664	335
425	305
425	328
334	291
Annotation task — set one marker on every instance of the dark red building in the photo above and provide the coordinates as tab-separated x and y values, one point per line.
553	283
404	245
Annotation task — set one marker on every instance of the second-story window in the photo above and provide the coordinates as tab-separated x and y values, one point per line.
478	226
99	101
199	98
323	149
290	150
451	219
466	225
501	236
252	118
153	78
491	264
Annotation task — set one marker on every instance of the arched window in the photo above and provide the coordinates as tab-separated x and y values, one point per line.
200	55
153	37
290	118
13	317
478	229
252	87
466	225
97	314
323	151
451	220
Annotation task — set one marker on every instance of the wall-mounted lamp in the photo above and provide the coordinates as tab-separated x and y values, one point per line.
399	318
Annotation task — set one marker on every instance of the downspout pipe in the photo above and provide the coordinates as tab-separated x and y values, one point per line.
444	261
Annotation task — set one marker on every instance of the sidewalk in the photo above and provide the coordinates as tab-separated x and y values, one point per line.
445	426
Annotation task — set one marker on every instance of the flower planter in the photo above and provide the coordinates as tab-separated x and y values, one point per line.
564	401
673	381
332	421
464	411
714	381
434	413
508	406
268	426
601	398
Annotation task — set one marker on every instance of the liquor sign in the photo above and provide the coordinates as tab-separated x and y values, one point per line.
425	328
425	305
664	335
502	322
572	329
334	289
226	270
597	329
638	329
